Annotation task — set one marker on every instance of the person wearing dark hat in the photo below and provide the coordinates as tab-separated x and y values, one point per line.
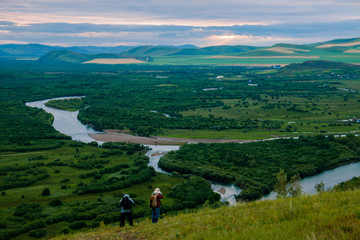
155	204
126	210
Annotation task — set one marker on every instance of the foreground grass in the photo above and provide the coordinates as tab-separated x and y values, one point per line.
334	215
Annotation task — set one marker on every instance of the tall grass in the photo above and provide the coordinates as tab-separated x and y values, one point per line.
334	215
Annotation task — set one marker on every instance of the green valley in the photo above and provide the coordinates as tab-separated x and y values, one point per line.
305	96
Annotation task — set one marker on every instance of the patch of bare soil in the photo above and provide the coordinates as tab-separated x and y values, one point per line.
339	45
116	136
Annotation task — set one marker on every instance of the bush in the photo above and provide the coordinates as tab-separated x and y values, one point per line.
65	180
55	202
27	210
3	225
45	192
38	233
65	231
77	225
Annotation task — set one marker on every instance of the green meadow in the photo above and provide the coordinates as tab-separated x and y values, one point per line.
334	215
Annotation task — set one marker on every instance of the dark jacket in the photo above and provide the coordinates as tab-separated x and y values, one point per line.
125	210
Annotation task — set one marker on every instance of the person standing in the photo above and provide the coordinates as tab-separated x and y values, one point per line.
126	210
155	204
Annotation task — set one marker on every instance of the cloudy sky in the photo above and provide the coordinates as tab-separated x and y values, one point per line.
177	22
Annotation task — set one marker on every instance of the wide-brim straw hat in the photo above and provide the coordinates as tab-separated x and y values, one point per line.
157	190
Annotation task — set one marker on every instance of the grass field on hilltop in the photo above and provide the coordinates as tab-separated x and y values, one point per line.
334	215
266	59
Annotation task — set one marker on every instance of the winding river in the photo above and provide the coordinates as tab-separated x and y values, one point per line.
66	122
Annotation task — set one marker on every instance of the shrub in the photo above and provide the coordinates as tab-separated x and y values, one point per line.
38	233
55	202
65	180
27	209
77	225
65	231
45	192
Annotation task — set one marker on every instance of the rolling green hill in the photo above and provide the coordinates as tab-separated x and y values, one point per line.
318	66
30	50
340	50
2	53
64	56
150	51
337	41
334	215
214	50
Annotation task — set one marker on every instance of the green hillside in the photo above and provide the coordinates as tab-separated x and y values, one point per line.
150	51
334	215
2	54
64	56
338	41
340	50
33	50
215	50
318	66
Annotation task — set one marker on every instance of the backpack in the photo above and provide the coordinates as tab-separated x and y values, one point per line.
153	201
126	203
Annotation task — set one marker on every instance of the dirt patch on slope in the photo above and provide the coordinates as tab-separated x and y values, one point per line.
339	45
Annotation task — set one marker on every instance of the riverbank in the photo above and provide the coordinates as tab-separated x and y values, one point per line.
117	136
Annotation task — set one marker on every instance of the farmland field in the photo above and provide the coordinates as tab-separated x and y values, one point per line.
114	61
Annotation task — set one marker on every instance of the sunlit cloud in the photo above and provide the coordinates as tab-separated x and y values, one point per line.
232	39
201	22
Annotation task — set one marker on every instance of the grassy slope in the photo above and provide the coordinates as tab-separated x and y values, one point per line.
64	56
336	53
334	215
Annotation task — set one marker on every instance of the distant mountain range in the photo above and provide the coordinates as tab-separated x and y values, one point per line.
38	50
78	54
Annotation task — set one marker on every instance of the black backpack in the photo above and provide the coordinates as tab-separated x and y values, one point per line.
126	203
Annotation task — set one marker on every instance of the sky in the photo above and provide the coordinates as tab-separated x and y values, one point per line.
177	22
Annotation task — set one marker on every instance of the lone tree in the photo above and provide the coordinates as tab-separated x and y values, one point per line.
283	188
320	187
294	188
280	186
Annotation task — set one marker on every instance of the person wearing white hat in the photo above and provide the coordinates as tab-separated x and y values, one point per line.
155	204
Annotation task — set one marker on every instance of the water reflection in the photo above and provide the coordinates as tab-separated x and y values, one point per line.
330	178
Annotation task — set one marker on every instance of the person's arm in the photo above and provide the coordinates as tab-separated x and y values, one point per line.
131	200
160	196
